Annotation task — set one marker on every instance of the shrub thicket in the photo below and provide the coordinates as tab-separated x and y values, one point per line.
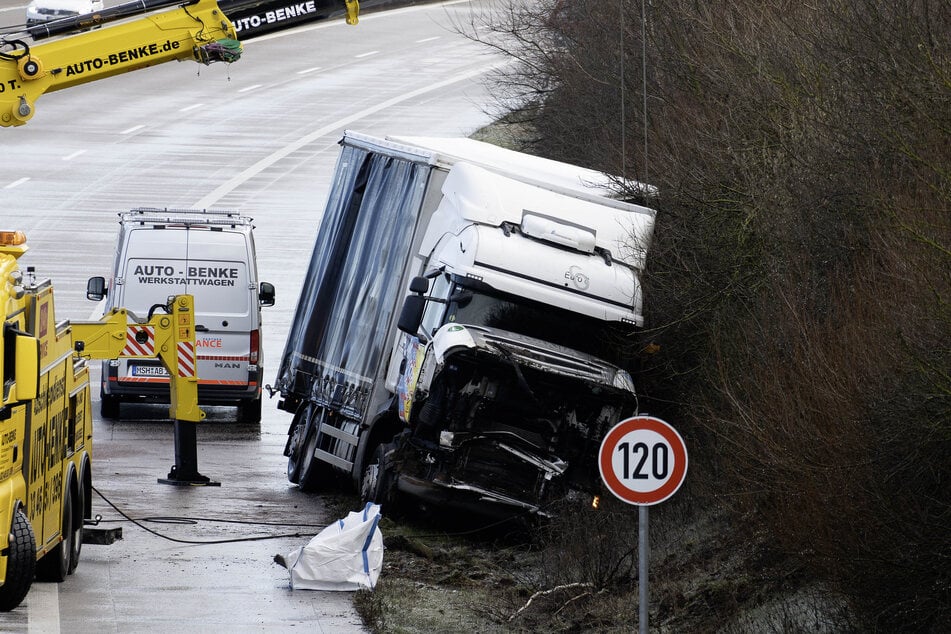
799	281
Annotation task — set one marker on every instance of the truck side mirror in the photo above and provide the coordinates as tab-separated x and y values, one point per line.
96	288
412	314
266	294
419	285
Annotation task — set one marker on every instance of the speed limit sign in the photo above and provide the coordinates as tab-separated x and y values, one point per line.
643	460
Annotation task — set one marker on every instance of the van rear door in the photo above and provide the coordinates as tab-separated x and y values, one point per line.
212	265
225	314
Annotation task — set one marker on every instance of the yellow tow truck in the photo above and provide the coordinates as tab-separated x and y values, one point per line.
46	415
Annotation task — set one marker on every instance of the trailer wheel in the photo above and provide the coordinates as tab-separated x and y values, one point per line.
109	406
54	566
310	469
295	442
21	563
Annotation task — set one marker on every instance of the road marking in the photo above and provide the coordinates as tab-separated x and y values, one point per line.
70	157
367	54
43	608
17	182
134	128
308	70
230	185
427	39
191	107
249	88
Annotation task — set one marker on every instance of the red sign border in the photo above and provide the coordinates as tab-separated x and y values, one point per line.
615	485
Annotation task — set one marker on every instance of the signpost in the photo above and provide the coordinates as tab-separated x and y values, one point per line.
643	461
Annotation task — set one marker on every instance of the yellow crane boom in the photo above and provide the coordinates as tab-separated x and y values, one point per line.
197	30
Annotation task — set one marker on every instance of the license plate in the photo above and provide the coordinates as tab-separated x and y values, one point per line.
149	370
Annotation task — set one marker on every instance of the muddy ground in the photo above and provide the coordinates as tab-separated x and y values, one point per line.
579	574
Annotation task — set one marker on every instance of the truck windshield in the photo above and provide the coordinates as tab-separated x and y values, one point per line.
475	304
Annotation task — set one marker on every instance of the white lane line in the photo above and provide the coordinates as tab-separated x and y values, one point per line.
308	70
17	182
427	39
43	608
227	187
191	107
249	88
367	54
134	128
70	157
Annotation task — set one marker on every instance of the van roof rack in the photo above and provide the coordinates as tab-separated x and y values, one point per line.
186	217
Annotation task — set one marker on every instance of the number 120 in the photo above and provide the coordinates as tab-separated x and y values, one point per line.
659	457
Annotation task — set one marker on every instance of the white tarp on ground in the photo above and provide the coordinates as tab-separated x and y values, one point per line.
346	555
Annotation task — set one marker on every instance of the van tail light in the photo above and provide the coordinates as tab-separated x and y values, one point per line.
255	347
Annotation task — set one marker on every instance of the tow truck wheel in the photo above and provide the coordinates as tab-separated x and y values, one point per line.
21	563
54	566
77	534
109	406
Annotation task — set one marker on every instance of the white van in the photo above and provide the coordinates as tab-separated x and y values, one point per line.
210	255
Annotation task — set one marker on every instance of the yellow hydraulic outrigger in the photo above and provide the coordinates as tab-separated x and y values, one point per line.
169	337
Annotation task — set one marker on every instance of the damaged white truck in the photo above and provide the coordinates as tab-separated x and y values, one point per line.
458	336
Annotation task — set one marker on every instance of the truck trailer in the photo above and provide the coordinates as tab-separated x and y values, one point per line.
460	334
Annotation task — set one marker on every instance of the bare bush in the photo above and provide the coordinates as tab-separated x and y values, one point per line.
800	282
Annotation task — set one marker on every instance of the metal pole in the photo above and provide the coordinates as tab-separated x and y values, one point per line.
643	554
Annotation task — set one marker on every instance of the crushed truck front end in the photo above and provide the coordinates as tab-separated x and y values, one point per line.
502	423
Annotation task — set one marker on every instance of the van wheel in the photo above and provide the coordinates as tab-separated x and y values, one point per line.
54	566
109	406
21	563
249	411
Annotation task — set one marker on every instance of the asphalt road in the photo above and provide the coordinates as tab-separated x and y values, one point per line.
259	136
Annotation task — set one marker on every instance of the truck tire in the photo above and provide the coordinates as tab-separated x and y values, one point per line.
109	406
378	483
21	563
54	566
295	443
311	469
77	532
249	411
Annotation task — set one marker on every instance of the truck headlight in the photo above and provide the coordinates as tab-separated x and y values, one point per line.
446	438
623	381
